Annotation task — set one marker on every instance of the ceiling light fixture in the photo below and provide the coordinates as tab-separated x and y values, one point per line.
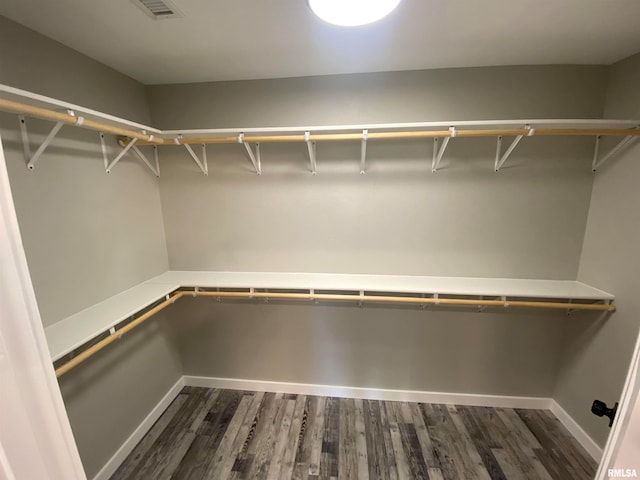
352	13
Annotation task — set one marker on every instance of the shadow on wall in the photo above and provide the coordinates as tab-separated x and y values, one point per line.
105	363
445	349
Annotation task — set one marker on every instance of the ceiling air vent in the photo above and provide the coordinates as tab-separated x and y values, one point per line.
158	9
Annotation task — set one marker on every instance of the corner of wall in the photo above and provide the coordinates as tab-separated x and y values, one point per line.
598	350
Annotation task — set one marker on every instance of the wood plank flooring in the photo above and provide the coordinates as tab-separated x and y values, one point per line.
226	434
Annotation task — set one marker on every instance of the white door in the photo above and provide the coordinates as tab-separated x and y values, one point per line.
621	457
36	441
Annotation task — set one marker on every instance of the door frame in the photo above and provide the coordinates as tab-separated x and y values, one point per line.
36	440
626	425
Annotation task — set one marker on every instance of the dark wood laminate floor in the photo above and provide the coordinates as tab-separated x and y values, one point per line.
226	434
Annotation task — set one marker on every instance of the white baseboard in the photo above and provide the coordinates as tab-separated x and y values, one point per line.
370	393
576	430
130	443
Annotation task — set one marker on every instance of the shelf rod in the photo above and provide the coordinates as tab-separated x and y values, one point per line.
147	139
512	123
336	137
64	117
360	298
59	104
418	300
62	105
81	357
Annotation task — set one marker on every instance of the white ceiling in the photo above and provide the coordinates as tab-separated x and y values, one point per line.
247	39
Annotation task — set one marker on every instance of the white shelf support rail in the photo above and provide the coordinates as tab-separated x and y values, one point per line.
363	151
58	112
435	153
32	159
253	156
311	147
25	137
201	164
437	158
596	150
499	162
114	162
157	159
73	337
61	105
622	144
496	165
155	169
103	149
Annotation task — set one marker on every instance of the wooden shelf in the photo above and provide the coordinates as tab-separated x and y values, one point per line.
558	289
76	330
46	108
72	332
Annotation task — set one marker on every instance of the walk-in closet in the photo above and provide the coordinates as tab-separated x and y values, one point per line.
242	242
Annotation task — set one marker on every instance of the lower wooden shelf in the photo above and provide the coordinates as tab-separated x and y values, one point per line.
70	334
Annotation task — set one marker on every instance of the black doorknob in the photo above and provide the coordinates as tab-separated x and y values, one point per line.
600	409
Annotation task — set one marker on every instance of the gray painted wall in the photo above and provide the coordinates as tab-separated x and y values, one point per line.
88	235
526	221
598	352
109	396
31	61
447	94
445	350
85	232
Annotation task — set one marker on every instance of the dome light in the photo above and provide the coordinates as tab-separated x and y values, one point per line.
352	13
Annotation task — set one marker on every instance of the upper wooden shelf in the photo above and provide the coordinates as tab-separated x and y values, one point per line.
76	330
38	106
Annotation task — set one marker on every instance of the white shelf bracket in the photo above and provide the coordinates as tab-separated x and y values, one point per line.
155	169
109	166
481	308
201	164
32	159
596	150
157	159
253	156
435	153
570	311
25	137
504	300
103	148
437	158
496	165
363	151
501	159
311	147
624	143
